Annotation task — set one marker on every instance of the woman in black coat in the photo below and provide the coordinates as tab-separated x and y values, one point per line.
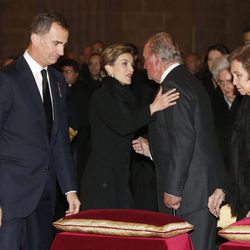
114	118
237	186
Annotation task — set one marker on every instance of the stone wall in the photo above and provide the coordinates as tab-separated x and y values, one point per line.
195	24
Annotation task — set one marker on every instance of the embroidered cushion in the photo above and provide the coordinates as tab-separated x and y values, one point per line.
238	231
124	222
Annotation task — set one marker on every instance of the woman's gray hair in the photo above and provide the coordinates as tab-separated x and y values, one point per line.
163	45
220	64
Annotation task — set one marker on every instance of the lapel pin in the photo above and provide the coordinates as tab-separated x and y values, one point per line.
59	89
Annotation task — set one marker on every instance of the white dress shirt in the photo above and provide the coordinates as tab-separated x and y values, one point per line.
168	70
36	71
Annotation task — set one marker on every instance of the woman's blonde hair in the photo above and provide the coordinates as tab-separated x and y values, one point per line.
111	53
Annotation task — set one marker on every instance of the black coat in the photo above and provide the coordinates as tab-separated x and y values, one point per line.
184	145
238	189
143	180
114	117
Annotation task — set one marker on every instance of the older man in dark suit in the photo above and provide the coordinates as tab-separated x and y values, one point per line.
34	143
182	142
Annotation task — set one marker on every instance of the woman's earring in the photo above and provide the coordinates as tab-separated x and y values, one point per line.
110	74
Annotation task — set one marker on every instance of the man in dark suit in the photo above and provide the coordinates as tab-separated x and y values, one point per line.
183	143
34	141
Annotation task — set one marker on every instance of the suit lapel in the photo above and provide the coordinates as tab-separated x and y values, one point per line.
56	95
30	88
33	96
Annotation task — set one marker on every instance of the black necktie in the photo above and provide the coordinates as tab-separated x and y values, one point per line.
47	101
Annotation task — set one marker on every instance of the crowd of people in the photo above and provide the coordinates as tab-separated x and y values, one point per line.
168	134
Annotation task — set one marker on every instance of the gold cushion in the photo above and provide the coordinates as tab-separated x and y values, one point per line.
238	231
122	222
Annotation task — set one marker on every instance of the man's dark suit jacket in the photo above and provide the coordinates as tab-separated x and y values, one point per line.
27	155
184	146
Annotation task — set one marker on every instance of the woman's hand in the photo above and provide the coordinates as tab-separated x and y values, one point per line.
141	146
248	214
163	101
215	200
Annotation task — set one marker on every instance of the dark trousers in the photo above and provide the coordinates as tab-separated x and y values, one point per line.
33	232
204	233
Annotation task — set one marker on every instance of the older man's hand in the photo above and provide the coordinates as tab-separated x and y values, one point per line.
172	201
215	200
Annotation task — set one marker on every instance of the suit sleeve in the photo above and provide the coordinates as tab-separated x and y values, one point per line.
180	127
5	99
62	150
5	106
122	123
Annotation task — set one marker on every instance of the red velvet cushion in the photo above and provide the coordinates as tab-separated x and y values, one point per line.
124	222
238	231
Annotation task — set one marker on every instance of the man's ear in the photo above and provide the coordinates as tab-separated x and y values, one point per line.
35	38
109	69
156	58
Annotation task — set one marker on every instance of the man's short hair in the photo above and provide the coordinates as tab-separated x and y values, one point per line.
42	22
163	45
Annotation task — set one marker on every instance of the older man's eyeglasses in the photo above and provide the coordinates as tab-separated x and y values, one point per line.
227	81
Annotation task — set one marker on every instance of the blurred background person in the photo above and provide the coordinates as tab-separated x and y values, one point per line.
70	69
69	54
114	118
192	63
94	66
97	47
86	51
93	78
213	52
84	57
246	35
6	61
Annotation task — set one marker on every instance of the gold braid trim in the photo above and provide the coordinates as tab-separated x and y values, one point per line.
72	133
119	228
236	232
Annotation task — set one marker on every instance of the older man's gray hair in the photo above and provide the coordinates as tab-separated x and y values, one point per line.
220	64
163	45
